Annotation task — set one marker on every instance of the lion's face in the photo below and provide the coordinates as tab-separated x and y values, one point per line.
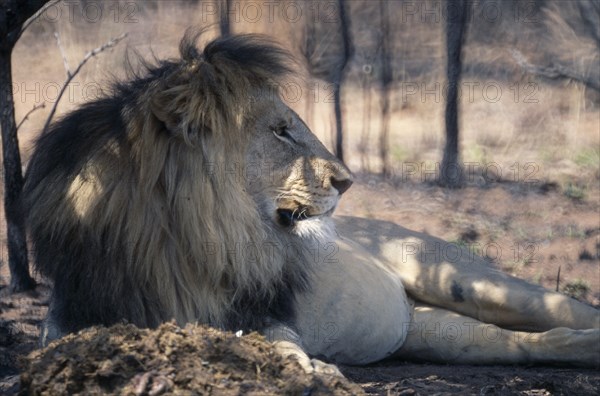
294	178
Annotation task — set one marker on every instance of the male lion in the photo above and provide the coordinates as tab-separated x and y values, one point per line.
193	192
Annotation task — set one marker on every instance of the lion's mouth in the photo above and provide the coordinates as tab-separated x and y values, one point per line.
289	217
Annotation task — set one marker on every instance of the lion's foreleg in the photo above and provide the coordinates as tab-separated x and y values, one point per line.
443	336
50	329
287	343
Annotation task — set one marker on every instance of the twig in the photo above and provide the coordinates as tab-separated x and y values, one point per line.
111	43
62	52
34	108
553	71
35	16
548	72
558	278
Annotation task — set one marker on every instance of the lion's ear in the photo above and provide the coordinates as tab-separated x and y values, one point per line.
170	116
160	105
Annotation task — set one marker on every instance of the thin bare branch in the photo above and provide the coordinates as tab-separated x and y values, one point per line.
63	54
33	109
553	71
35	16
111	43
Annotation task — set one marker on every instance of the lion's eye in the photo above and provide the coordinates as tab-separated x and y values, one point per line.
281	132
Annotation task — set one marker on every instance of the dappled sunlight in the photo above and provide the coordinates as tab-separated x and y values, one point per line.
448	275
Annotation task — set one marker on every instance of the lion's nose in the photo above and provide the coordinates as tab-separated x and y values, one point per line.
341	184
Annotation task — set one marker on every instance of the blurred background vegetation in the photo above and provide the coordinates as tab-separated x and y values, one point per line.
529	89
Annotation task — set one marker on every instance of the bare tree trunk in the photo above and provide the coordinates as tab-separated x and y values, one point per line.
339	131
339	79
451	172
590	14
366	127
386	81
13	183
224	22
327	56
13	15
384	149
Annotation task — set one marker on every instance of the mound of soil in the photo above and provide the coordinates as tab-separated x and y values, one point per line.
126	360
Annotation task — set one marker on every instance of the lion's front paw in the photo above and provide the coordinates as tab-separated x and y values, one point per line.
310	366
320	367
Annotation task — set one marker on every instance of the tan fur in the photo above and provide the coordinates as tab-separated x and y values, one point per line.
213	166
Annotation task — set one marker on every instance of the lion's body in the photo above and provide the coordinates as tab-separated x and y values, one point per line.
465	311
194	193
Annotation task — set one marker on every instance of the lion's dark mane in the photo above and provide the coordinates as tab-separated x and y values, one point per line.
86	181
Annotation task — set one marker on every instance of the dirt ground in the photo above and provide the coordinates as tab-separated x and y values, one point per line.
535	229
169	360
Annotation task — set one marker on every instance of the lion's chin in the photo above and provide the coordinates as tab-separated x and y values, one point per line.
320	228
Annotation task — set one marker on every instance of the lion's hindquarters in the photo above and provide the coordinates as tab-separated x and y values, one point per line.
356	312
